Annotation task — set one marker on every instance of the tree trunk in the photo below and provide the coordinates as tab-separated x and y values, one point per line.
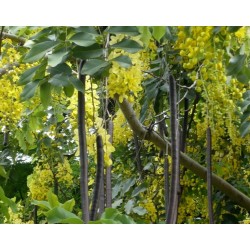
143	133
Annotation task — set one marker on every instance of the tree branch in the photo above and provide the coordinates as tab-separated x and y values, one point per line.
18	39
222	185
7	68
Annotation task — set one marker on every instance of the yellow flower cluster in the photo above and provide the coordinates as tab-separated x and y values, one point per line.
151	215
107	146
43	177
203	55
126	82
122	131
11	107
241	33
17	217
193	47
40	182
64	173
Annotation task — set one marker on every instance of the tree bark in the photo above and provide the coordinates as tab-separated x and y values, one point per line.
143	133
18	39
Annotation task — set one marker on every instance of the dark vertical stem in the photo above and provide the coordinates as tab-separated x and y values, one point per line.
99	177
166	182
183	136
83	149
209	176
35	214
6	137
108	169
184	126
55	186
175	154
102	195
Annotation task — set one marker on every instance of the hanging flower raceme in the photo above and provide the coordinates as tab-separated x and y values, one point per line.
126	82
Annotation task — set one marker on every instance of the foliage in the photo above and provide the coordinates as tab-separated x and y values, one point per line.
38	119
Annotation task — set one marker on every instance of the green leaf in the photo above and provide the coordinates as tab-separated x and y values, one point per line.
145	34
124	61
115	217
244	105
40	72
128	207
117	203
29	90
232	29
92	66
8	201
27	75
109	213
87	29
84	53
34	123
69	205
246	95
116	189
39	50
128	45
236	64
71	221
245	128
62	67
104	221
148	166
139	189
139	210
3	172
76	83
69	90
57	57
61	215
45	94
42	204
60	80
124	219
83	39
244	75
53	199
128	30
127	185
158	32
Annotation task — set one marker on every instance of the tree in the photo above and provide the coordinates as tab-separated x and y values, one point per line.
125	76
